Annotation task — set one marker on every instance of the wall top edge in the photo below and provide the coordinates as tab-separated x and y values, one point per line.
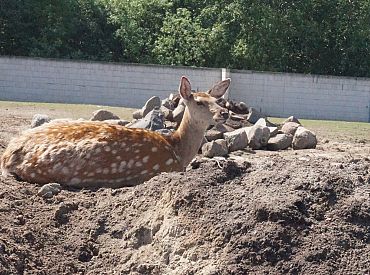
300	75
317	76
109	63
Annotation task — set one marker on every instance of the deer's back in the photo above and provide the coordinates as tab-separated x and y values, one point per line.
88	153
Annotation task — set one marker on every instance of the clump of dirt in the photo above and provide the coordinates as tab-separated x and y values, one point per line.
286	212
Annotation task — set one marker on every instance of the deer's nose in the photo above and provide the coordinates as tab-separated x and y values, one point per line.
225	114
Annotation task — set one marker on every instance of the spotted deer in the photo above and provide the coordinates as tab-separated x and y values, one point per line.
89	153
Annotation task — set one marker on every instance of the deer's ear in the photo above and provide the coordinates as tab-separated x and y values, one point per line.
220	88
185	88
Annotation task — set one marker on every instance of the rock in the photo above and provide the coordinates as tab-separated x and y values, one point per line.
154	120
216	148
291	119
273	131
223	128
235	124
178	113
222	102
165	132
39	119
49	190
237	141
290	128
137	114
254	115
242	108
258	136
304	139
168	103
265	122
213	134
121	122
152	102
236	132
280	142
217	131
171	125
167	113
101	115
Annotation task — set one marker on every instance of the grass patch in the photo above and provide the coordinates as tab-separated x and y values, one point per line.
59	110
332	129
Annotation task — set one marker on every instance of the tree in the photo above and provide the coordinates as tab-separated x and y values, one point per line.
182	41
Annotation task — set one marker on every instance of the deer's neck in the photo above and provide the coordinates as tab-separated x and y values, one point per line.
188	137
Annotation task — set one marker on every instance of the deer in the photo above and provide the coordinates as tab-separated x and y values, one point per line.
84	154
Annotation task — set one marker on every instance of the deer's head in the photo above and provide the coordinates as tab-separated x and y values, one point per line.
203	105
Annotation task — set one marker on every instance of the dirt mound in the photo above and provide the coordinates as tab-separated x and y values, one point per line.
271	215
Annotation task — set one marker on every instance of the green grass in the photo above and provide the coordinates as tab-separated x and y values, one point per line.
59	110
330	128
359	131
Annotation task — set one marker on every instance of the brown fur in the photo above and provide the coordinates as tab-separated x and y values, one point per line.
91	153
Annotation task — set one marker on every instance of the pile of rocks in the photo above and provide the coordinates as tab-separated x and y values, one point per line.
246	127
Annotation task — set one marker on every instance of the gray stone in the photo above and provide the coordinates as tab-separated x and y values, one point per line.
243	108
290	128
178	113
49	190
101	115
39	119
265	122
169	104
165	132
215	148
254	115
167	113
213	134
137	114
304	139
217	131
237	131
280	142
238	141
121	122
273	131
258	136
152	102
154	120
291	119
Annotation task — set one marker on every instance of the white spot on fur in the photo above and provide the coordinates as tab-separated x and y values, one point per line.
107	148
137	151
138	164
145	159
114	152
99	170
169	161
154	149
144	172
98	150
65	170
156	167
33	175
105	171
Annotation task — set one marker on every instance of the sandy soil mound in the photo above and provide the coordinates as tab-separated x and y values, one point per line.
305	212
272	216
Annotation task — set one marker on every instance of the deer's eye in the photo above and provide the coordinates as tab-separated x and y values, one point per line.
200	103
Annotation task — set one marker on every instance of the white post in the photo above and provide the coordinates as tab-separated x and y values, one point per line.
225	73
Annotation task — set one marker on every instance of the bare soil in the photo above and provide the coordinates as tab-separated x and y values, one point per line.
291	212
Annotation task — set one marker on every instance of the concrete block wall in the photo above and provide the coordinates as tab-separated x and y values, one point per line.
130	85
305	96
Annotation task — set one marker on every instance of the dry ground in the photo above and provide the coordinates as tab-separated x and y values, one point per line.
291	212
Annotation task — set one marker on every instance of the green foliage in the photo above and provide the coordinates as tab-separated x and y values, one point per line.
308	36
